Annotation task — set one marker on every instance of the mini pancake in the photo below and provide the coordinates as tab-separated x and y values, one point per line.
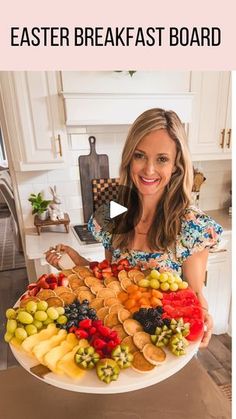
67	272
106	293
44	294
91	280
125	283
61	290
138	276
123	314
115	308
114	285
128	340
132	273
111	320
153	354
122	275
110	301
96	287
110	279
82	288
131	326
55	302
75	281
85	295
140	364
82	271
102	313
120	331
141	339
68	297
27	299
97	303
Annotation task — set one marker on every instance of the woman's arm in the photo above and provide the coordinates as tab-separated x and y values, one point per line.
194	271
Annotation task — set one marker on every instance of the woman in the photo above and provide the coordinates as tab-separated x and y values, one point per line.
169	234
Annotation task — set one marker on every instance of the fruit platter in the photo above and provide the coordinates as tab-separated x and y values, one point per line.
105	328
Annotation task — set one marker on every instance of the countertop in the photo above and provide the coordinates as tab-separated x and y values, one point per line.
37	245
190	393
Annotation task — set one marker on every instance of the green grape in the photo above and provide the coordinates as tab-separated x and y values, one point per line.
48	321
174	286
154	283
62	319
25	317
40	315
10	313
183	285
154	274
11	326
171	278
163	277
31	307
52	313
31	329
144	283
8	336
165	286
20	333
60	310
42	306
178	279
37	324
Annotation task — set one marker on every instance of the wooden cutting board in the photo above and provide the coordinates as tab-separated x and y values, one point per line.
91	166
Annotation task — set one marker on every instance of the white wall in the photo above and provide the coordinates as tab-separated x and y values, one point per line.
110	140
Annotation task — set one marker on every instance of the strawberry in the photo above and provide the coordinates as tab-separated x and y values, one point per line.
85	324
63	282
104	264
107	275
61	275
51	280
53	286
32	286
92	265
123	262
97	272
33	292
107	270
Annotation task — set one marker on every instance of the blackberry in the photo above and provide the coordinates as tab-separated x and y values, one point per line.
149	327
166	322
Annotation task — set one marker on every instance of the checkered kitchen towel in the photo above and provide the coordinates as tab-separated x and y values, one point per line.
104	190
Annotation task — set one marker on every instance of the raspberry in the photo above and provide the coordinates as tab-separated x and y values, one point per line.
81	334
99	343
92	330
72	329
85	324
105	331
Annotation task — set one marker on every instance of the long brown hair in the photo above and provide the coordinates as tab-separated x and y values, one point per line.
176	197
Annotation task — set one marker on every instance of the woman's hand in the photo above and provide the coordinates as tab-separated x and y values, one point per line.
208	326
53	255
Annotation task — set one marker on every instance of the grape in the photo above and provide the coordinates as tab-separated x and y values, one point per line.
144	283
164	286
183	285
60	310
37	324
10	313
11	326
48	321
31	329
178	279
154	274
8	336
154	283
42	306
20	333
171	279
62	319
52	313
31	307
40	315
174	286
25	317
163	277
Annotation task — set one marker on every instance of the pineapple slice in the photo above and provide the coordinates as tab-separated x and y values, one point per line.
29	343
66	365
44	347
52	357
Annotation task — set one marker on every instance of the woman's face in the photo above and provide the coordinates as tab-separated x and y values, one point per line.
153	163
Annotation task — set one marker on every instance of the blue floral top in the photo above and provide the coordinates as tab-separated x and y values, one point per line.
198	231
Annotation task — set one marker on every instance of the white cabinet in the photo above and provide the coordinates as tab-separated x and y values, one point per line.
218	286
34	114
210	130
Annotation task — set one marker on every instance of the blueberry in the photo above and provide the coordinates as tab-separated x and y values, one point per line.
70	323
86	302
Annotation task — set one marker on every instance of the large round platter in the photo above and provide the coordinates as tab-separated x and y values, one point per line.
128	380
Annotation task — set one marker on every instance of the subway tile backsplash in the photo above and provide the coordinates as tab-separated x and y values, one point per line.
110	140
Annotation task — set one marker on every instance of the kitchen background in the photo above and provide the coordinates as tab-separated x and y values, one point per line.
46	119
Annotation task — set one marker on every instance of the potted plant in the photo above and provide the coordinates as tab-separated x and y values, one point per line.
39	205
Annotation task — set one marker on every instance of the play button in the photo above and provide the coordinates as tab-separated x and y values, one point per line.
116	209
118	215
